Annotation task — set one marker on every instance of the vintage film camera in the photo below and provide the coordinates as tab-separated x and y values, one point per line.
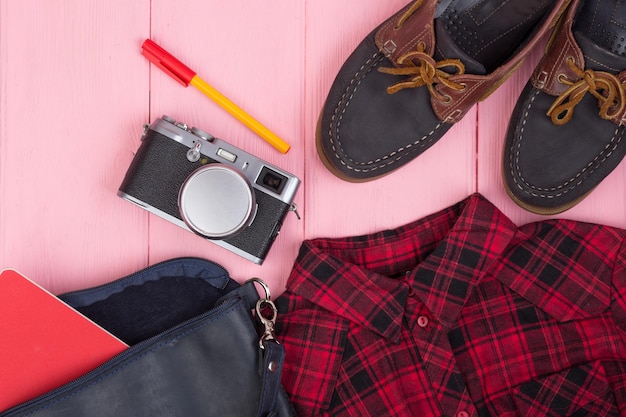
210	187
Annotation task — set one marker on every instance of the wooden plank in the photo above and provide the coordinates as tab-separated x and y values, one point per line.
74	97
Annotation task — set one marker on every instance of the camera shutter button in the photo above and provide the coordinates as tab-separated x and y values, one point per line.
216	201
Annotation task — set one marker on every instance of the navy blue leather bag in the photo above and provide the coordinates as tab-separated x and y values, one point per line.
195	349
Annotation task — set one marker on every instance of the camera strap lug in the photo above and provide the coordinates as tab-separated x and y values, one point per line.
293	207
146	126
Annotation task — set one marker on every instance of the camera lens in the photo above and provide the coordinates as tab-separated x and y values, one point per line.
216	201
271	180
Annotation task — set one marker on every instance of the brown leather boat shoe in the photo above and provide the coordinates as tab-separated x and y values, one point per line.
418	73
566	132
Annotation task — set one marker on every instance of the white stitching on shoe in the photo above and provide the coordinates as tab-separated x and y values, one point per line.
348	162
539	191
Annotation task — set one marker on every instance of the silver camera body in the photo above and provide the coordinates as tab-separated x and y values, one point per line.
210	187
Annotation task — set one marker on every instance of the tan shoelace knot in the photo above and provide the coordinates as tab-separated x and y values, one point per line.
422	69
604	86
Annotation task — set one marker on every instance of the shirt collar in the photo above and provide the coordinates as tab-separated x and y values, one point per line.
472	239
362	278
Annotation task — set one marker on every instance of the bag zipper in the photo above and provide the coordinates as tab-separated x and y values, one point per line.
158	265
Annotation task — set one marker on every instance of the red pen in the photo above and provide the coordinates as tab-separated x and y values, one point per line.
185	76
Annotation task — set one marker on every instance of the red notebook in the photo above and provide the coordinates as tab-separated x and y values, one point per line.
44	343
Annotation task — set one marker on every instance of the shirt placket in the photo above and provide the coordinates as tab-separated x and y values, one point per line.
431	342
439	288
357	278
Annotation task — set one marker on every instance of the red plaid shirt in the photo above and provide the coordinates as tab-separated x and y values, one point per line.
459	314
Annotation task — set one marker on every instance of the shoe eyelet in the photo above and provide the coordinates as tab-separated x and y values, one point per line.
446	99
389	48
463	86
570	59
561	77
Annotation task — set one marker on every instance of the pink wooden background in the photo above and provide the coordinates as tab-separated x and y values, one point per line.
75	92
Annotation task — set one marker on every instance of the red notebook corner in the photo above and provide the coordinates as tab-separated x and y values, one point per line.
44	343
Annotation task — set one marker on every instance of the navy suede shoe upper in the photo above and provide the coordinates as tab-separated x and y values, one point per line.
417	74
565	134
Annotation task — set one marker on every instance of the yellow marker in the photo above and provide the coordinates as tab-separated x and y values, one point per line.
184	75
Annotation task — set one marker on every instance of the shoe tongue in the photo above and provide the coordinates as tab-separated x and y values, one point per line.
447	49
597	58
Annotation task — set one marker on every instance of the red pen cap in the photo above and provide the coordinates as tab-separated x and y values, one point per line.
166	61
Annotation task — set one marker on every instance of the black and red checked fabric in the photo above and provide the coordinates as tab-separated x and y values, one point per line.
459	314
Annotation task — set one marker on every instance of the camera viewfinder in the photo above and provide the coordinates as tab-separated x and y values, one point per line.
271	180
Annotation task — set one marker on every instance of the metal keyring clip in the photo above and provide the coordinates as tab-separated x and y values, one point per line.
262	283
268	322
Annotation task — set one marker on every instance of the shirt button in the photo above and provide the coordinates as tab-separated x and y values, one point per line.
462	414
422	321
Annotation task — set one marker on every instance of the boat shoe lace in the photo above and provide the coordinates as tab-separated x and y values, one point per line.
422	69
606	87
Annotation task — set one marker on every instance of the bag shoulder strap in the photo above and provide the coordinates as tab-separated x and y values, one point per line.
272	353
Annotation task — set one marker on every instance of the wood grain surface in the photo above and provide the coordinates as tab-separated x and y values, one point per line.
75	92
